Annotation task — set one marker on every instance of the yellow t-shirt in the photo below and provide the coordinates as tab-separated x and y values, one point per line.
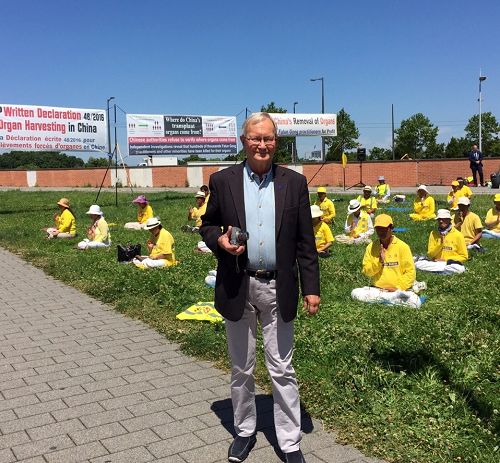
164	244
66	222
425	209
453	246
466	191
381	190
144	213
362	226
367	204
322	235
491	220
197	213
453	197
468	227
397	270
101	231
328	209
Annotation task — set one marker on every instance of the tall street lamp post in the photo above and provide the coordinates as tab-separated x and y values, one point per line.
109	131
323	154
294	143
481	79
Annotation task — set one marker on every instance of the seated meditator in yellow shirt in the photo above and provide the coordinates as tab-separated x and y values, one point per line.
492	221
326	205
195	213
358	226
98	235
424	206
446	249
322	233
144	212
368	201
463	188
388	262
160	247
65	223
383	191
454	195
469	224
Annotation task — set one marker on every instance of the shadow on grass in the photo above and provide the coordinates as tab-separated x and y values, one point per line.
413	362
265	420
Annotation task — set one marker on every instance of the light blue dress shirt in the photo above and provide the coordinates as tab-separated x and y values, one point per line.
260	219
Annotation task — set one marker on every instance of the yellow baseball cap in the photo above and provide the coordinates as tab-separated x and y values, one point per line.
496	198
454	183
383	220
321	189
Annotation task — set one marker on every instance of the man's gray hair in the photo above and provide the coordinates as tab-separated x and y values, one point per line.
255	118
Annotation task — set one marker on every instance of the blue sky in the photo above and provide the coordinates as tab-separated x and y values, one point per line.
218	58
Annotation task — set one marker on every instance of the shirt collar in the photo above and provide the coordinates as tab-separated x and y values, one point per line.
254	177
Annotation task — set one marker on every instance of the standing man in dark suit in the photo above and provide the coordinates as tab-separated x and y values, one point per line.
257	279
476	164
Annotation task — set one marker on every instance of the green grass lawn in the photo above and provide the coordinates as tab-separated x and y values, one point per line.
402	384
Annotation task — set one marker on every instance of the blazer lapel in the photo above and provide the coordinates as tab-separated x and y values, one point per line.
238	196
280	186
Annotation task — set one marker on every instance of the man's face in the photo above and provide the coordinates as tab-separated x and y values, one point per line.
367	193
321	196
443	224
260	145
474	147
463	208
199	201
497	205
383	233
421	193
454	187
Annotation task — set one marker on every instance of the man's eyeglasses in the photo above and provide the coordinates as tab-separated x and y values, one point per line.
259	140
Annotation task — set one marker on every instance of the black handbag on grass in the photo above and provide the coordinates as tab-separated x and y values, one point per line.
127	252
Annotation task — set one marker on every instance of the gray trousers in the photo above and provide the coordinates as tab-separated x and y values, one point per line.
261	305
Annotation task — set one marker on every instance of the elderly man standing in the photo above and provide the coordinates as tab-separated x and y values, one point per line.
446	248
388	262
257	279
326	206
476	165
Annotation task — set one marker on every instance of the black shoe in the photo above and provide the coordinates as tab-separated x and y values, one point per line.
240	448
294	457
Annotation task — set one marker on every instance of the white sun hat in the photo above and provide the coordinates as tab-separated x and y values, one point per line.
94	210
354	205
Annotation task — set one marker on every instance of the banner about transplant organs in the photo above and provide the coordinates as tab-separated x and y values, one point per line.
47	128
150	135
305	125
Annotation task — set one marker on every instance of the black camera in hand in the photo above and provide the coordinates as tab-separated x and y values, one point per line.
238	236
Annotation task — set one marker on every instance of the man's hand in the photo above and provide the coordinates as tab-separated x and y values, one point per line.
382	254
224	242
311	304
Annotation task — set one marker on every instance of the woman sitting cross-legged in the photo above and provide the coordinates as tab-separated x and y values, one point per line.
160	246
98	235
65	224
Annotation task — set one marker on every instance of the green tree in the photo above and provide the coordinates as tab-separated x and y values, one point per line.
38	160
457	148
490	130
347	137
380	154
97	162
417	137
190	158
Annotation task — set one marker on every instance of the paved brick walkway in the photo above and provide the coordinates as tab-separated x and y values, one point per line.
80	382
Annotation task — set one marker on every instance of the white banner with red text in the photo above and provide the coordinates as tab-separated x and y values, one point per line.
150	134
305	125
48	128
